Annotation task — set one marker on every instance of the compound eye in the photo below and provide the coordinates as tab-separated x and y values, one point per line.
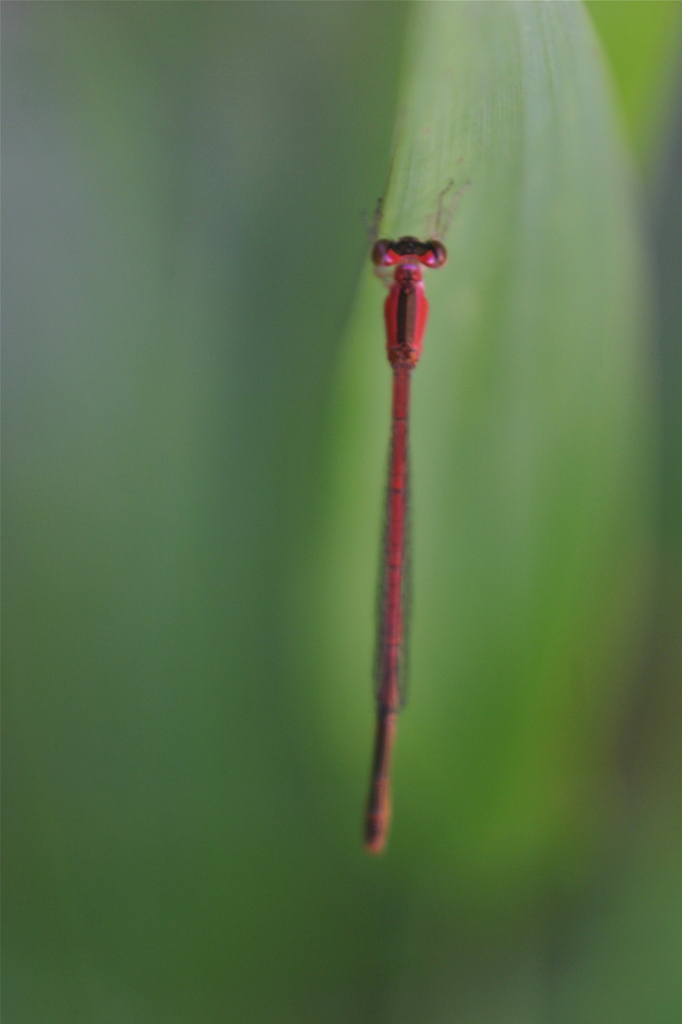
435	256
383	254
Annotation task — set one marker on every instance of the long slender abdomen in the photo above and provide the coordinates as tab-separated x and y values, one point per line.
391	617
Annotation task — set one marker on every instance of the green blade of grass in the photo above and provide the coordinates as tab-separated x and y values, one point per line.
642	43
530	444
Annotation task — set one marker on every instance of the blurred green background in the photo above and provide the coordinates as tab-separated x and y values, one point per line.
192	453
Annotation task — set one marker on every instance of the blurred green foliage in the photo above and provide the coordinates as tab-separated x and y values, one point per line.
642	41
195	418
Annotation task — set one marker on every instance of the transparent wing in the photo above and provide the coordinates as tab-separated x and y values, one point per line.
384	663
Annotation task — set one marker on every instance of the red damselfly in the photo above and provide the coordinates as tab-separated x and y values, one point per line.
406	311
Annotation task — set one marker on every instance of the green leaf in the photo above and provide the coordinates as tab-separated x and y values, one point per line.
190	714
531	449
643	41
